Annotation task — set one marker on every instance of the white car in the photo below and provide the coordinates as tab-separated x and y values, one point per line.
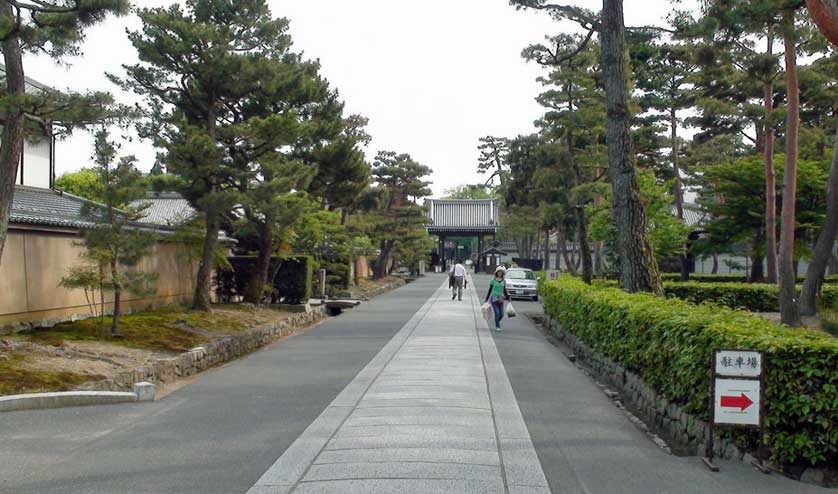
521	283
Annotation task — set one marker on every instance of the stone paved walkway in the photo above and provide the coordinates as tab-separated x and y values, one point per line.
433	412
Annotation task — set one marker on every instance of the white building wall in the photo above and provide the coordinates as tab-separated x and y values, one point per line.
36	163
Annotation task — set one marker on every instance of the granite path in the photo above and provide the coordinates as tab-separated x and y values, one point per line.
433	412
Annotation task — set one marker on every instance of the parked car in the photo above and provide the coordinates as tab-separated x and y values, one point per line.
522	283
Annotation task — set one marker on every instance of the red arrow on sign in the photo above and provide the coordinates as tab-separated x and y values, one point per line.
742	402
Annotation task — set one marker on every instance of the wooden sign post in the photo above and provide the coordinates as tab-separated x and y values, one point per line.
737	394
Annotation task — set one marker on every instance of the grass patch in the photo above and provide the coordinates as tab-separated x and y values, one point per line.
169	329
17	380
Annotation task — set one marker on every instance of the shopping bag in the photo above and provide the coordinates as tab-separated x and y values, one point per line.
488	312
510	311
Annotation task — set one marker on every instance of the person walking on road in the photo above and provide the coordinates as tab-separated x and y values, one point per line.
458	274
498	295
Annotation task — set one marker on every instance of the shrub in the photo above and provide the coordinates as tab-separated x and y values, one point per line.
338	275
732	278
754	297
669	344
292	280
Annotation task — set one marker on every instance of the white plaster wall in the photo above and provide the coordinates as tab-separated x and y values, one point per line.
36	171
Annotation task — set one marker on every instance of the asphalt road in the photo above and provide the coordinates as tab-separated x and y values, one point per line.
216	435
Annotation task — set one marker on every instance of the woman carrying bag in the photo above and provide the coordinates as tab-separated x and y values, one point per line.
498	295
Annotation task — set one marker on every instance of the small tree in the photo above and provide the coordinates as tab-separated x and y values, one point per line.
113	242
83	183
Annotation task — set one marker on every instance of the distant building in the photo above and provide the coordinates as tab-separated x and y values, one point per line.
37	162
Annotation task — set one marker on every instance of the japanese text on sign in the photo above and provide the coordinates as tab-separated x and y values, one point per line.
738	363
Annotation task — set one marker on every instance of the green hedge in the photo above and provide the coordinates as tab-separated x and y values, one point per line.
338	275
669	343
755	297
293	280
291	283
732	278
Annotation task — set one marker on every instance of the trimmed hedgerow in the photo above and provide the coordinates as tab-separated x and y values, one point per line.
293	280
754	297
732	278
668	343
291	283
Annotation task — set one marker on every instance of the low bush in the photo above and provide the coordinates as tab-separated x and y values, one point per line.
338	275
754	297
669	344
291	283
732	278
293	279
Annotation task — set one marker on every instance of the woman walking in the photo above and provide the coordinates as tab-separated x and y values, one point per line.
498	295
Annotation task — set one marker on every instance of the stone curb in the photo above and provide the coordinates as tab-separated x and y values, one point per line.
211	354
35	401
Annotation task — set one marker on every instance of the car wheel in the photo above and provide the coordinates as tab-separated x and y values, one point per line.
535	299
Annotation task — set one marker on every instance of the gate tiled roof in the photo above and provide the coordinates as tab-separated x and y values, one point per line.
465	216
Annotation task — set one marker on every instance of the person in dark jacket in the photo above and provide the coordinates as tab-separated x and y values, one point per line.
498	295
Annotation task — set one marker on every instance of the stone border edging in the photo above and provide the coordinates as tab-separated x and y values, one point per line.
211	354
35	401
381	290
522	469
668	418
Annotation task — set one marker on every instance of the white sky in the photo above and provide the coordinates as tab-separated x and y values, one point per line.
432	76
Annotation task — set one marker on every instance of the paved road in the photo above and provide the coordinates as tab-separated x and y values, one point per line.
362	402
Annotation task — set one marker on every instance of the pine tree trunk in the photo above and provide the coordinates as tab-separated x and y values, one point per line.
201	300
117	298
770	178
638	267
11	142
789	313
825	15
383	260
757	272
677	188
584	246
826	242
598	264
259	280
546	265
562	239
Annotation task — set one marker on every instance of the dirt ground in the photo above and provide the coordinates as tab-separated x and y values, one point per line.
812	322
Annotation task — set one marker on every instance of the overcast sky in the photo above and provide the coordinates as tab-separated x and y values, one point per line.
432	76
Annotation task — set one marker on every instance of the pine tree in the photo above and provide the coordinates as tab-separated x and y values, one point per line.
826	17
638	269
116	243
54	27
196	64
398	220
576	120
664	77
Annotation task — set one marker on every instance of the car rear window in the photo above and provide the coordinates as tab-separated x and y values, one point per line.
520	275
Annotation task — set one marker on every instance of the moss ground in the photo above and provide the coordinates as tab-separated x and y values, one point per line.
170	329
17	379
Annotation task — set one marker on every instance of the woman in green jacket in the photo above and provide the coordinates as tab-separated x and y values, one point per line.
498	295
